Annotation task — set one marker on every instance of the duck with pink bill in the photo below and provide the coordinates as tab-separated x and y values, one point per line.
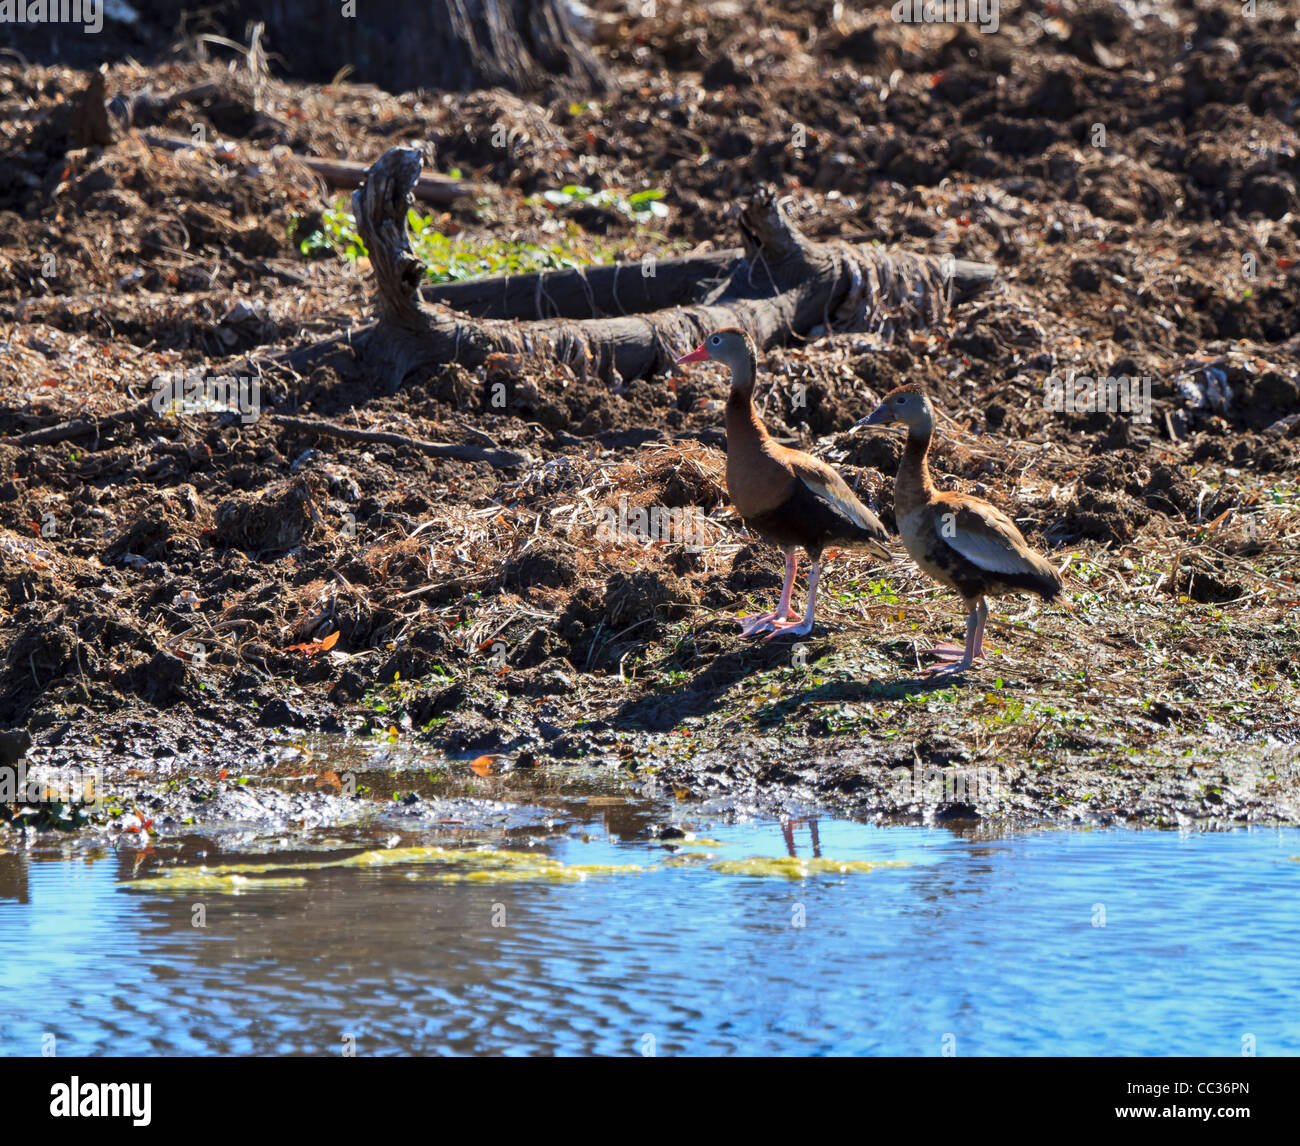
789	498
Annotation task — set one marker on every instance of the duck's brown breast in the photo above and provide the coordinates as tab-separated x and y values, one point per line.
925	547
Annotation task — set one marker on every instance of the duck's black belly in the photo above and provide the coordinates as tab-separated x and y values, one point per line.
804	520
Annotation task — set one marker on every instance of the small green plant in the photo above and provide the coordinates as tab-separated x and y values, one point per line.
448	258
641	206
878	592
337	234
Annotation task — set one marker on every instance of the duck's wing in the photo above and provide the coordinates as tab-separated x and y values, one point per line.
832	489
985	536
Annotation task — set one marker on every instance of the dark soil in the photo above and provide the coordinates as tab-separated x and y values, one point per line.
168	584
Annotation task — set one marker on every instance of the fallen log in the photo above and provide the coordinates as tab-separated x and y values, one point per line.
586	292
783	286
346	173
625	288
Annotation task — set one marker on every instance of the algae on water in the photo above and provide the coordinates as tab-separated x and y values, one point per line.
195	879
793	867
477	864
485	865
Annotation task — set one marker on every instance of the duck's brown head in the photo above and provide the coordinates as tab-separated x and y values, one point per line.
907	404
733	348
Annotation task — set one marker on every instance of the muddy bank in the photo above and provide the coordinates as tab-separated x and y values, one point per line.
186	593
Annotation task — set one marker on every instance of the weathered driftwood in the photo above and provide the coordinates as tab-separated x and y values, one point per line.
625	288
587	292
781	285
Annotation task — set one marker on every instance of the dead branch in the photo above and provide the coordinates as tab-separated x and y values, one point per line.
77	428
464	453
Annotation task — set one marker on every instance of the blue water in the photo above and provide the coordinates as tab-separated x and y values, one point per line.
1045	943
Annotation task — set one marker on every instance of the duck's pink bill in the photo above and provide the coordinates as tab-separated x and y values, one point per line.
698	355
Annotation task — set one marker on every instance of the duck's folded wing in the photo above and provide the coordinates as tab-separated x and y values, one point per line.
827	485
985	536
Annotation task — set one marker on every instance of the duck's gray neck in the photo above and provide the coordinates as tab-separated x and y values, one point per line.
914	487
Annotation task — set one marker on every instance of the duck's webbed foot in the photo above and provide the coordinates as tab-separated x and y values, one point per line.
954	660
946	651
804	627
948	668
791	628
752	626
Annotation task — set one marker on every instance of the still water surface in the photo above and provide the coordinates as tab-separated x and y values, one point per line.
1049	943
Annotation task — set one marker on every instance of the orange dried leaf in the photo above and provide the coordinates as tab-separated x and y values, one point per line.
482	765
311	648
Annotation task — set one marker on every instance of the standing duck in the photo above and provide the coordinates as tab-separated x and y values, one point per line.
960	541
785	496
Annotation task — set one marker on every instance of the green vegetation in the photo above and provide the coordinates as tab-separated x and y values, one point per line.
454	258
486	865
641	206
873	592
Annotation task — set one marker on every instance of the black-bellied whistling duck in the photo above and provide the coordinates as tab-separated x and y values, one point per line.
960	541
785	496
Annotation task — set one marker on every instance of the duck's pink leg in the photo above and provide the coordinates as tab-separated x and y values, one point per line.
751	626
951	668
979	628
804	627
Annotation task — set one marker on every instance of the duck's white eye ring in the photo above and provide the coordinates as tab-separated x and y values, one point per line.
716	340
